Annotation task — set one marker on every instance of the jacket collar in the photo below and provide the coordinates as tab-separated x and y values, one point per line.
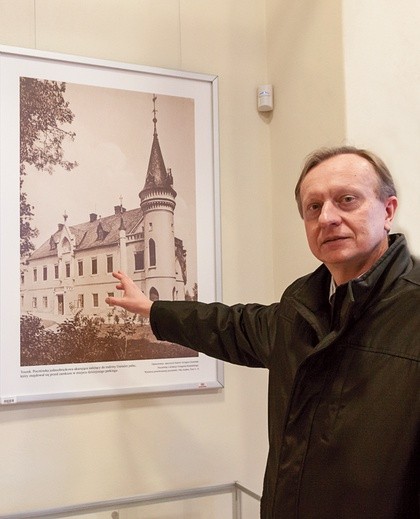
310	295
395	262
382	275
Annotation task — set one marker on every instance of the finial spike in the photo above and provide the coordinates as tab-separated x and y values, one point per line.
154	114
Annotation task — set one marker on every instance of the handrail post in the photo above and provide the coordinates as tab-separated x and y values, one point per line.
236	495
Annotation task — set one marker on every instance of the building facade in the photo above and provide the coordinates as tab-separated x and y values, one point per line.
72	270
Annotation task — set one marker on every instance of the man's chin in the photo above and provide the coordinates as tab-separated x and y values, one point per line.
336	258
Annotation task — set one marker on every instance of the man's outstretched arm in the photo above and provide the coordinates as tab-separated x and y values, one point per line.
133	298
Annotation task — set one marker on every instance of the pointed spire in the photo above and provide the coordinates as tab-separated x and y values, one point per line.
157	175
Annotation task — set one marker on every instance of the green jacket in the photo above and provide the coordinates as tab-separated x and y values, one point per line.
344	381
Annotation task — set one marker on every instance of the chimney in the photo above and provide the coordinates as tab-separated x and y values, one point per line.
60	226
119	209
93	217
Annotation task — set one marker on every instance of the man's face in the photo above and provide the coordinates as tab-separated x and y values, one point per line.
346	224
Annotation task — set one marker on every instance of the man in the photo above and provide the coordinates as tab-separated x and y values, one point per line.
342	348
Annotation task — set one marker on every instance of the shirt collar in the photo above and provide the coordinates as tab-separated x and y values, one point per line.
333	288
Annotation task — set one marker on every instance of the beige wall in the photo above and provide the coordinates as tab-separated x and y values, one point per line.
382	67
62	453
305	61
344	72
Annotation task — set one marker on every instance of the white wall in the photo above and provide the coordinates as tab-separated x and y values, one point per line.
343	72
305	61
382	67
61	453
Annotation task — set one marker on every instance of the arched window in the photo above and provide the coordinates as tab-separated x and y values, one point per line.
153	294
152	253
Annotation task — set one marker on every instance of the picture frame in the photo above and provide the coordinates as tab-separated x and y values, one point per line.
104	166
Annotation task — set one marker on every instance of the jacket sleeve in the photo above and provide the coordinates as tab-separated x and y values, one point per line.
240	334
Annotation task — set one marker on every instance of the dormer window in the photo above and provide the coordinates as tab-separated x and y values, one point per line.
100	232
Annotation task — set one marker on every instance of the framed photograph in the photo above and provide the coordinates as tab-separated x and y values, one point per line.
105	166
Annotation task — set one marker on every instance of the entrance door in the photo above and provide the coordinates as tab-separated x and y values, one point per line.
60	301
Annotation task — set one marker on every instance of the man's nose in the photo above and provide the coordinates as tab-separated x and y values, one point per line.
330	214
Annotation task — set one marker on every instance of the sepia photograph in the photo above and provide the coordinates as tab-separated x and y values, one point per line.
107	183
105	167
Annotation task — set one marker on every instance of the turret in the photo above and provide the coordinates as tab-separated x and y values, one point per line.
157	201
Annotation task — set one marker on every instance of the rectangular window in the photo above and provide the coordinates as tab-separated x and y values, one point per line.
80	301
34	302
94	266
139	260
95	300
35	275
109	264
110	294
56	271
45	273
80	267
45	301
67	270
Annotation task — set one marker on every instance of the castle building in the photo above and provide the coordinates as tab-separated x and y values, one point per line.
72	269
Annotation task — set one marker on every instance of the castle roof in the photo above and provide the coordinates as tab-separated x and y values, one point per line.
95	233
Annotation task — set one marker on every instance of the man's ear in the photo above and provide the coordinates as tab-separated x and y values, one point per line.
391	205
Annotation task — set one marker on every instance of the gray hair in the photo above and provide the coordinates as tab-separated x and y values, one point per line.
386	187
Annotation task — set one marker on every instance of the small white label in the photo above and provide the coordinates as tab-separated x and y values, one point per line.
9	400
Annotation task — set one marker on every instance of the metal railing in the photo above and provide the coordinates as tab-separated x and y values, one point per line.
235	489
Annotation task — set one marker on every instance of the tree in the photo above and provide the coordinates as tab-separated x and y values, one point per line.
27	232
43	115
37	345
78	338
194	296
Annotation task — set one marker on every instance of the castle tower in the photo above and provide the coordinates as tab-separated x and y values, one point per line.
157	201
